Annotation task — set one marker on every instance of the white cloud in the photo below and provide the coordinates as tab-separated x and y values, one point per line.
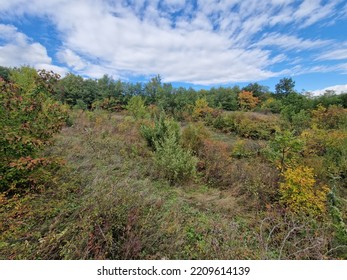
71	59
338	89
18	50
216	43
311	11
62	71
338	54
290	42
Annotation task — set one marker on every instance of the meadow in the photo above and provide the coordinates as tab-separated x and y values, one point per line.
101	169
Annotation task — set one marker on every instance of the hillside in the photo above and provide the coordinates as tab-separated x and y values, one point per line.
168	176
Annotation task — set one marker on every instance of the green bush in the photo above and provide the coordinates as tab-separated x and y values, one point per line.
247	148
225	123
80	105
248	125
172	161
136	107
158	131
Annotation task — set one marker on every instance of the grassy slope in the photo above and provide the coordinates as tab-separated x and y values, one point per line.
108	203
118	209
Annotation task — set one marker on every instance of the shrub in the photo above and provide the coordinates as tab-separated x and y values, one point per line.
136	107
216	163
172	161
301	121
299	193
29	118
330	118
224	123
193	137
330	147
80	105
289	236
248	125
201	109
272	105
245	148
159	130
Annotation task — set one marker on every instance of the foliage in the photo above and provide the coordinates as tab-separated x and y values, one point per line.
299	193
172	161
109	103
136	107
271	104
333	117
29	117
25	78
114	198
80	105
289	236
159	130
5	73
246	148
301	121
257	90
226	98
248	125
201	109
193	137
215	163
284	149
69	89
331	98
330	146
292	104
285	86
338	222
247	101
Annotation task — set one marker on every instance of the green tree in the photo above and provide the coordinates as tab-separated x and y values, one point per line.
105	86
172	161
285	86
5	73
69	89
226	98
152	88
136	107
89	92
24	77
257	89
284	149
292	104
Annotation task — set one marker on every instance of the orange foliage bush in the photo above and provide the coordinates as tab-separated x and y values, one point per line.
247	101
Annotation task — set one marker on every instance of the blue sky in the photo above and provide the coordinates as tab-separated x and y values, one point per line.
188	42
